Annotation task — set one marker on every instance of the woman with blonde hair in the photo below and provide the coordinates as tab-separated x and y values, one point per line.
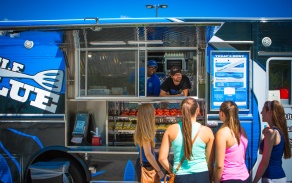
230	147
197	156
144	138
274	145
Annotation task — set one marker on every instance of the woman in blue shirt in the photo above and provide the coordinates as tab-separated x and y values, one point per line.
144	137
274	145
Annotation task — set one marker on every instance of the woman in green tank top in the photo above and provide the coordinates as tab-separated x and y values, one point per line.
197	167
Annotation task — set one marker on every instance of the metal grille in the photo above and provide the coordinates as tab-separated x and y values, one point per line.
279	34
118	55
171	36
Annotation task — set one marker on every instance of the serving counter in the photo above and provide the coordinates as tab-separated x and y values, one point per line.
103	150
116	121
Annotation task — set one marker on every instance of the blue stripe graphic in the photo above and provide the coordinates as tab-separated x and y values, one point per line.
11	157
35	138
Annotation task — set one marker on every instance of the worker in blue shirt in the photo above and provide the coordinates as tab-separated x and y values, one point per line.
153	82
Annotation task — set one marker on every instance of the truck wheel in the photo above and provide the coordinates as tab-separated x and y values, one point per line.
75	172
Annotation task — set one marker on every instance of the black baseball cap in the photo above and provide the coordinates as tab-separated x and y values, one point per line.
174	70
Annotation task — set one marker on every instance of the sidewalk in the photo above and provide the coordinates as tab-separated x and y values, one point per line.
101	181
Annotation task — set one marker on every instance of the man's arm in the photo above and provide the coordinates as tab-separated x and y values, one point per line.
162	93
163	89
185	92
186	86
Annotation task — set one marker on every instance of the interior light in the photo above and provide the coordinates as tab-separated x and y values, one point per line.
101	43
145	42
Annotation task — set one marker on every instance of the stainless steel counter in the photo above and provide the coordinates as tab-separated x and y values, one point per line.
103	150
106	150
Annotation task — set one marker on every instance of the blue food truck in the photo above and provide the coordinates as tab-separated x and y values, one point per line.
69	89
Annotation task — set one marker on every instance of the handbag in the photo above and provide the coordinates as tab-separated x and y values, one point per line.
148	176
171	176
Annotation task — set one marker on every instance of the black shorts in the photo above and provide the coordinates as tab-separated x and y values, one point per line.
200	177
248	180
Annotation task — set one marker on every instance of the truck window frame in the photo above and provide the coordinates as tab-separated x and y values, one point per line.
269	70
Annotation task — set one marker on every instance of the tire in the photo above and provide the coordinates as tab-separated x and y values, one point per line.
75	172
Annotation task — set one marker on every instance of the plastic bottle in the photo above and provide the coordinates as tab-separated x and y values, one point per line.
125	92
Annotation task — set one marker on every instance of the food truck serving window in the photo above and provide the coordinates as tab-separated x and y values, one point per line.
108	73
279	78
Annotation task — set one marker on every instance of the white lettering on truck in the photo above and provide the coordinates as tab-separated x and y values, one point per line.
42	100
21	92
4	62
288	116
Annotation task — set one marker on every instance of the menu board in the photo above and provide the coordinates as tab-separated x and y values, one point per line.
229	78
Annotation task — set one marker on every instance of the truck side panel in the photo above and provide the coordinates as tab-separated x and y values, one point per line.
32	97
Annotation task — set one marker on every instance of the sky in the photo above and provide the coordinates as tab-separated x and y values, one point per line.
79	9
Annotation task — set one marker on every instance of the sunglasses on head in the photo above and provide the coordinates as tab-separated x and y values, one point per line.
269	104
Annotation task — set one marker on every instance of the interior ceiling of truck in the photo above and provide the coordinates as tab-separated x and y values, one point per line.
161	36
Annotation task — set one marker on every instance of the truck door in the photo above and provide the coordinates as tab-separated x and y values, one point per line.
279	87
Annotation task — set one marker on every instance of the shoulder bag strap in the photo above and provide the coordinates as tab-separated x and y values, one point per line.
184	156
141	156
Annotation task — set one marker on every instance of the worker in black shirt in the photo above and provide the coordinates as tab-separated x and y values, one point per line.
176	84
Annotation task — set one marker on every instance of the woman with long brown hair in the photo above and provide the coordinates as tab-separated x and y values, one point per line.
274	145
230	147
197	166
144	137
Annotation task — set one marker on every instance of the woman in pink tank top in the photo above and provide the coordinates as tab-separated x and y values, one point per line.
230	147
